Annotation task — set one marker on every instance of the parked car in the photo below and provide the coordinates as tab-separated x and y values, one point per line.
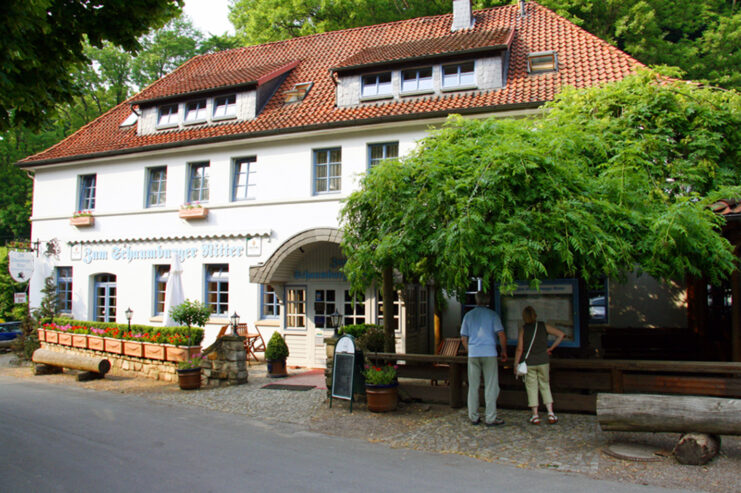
9	331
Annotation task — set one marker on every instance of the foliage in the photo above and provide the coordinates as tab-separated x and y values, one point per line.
8	309
49	301
368	337
191	313
276	349
178	336
24	345
380	375
43	44
193	362
611	177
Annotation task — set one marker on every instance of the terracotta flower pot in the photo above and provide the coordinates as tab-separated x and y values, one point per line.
193	213
154	351
180	353
65	339
96	343
189	379
52	336
111	345
382	398
41	334
79	340
133	348
277	368
82	221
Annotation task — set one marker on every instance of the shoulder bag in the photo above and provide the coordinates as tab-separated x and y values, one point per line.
521	369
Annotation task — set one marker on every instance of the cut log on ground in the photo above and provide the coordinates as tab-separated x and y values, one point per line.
71	360
696	448
669	413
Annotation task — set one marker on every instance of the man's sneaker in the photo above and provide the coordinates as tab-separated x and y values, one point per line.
496	422
478	420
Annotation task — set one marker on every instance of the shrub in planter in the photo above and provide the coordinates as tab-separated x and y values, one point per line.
368	337
276	353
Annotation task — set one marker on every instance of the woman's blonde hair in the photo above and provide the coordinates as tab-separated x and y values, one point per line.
528	315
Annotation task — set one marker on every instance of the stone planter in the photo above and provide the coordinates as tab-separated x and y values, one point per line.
111	345
189	379
96	343
180	353
154	351
65	339
133	348
42	335
51	336
79	340
382	398
193	213
82	221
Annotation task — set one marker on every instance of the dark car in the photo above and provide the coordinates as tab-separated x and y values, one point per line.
8	333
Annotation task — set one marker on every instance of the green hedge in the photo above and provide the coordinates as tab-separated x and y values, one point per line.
368	337
179	336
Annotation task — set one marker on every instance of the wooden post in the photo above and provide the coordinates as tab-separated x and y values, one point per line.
456	385
617	380
736	314
389	344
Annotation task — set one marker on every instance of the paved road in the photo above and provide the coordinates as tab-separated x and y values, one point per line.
77	440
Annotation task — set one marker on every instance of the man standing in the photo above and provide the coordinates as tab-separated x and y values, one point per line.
478	335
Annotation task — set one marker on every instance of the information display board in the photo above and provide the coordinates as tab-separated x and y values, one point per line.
343	370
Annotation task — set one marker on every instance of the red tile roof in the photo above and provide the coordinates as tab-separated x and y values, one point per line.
727	207
584	60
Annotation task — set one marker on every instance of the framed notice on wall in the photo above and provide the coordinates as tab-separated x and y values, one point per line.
556	303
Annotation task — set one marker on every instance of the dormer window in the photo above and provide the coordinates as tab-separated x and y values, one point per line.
376	85
297	93
225	106
416	80
196	111
542	61
130	120
168	115
459	75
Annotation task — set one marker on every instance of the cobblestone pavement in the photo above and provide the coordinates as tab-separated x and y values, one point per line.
574	445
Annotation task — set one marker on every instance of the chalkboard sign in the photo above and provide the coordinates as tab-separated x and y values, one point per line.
343	370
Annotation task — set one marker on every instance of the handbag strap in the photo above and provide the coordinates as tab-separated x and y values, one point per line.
531	341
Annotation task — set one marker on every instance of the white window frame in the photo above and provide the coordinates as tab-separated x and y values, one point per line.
168	115
323	171
421	84
196	111
223	108
455	81
372	87
244	190
160	192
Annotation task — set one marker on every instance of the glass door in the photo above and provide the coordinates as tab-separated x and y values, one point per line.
105	298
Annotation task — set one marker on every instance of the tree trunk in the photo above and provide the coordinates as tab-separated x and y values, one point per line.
389	339
669	413
696	448
71	360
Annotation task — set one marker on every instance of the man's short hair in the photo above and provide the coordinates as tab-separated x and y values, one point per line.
482	298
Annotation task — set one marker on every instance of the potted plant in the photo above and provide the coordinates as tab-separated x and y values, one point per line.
82	219
187	313
276	353
189	372
192	210
381	388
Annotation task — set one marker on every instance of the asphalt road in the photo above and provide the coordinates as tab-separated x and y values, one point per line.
77	440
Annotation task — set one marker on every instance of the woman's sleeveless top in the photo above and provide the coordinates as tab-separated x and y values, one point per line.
539	352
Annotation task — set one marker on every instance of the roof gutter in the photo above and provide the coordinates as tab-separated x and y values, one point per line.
284	131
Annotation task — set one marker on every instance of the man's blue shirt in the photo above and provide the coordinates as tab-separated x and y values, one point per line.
481	325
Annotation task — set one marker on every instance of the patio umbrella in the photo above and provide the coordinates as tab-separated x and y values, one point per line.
173	290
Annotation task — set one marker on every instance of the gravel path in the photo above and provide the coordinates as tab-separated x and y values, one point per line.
573	445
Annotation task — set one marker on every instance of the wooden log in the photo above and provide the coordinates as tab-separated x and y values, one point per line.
669	413
697	448
68	359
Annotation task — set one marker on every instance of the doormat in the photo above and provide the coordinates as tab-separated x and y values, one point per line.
285	386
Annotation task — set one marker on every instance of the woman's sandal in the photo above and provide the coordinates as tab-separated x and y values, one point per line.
534	420
552	419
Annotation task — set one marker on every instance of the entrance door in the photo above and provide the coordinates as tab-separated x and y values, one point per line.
323	303
105	298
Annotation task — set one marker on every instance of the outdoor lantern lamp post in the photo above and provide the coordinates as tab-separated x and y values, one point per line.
129	312
235	321
336	319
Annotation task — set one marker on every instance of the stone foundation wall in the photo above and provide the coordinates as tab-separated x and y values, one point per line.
126	365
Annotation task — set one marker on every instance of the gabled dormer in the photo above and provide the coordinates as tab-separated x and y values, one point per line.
194	96
464	60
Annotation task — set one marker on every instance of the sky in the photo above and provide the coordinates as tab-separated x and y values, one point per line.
209	16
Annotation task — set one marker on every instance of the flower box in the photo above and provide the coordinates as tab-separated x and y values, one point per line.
111	345
154	351
82	221
133	348
96	343
65	339
42	335
180	353
79	340
193	213
51	336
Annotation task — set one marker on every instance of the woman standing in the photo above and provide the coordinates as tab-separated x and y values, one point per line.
534	336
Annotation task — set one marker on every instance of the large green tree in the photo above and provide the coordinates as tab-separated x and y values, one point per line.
608	179
43	42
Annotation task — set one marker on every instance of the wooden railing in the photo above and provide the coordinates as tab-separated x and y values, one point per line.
574	382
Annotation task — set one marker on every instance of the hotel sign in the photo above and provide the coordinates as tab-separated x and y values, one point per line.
127	253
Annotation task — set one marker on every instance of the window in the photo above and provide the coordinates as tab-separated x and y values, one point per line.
87	193
64	289
130	120
324	306
198	184
327	170
225	106
196	111
168	115
376	85
598	303
458	75
161	274
469	303
542	61
105	298
297	93
270	303
379	152
244	179
397	304
416	80
157	187
354	308
296	308
217	288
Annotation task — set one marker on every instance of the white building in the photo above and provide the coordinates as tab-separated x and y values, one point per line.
267	141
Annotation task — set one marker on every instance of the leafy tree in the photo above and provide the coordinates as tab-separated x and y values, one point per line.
43	43
608	179
49	302
191	313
